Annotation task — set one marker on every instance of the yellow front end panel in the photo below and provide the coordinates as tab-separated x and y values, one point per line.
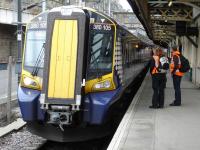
63	58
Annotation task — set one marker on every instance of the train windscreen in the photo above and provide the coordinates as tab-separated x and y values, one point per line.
100	51
34	47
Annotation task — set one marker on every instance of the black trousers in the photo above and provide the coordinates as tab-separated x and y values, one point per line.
177	88
158	85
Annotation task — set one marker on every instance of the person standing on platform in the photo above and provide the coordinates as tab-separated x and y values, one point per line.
175	65
164	66
158	69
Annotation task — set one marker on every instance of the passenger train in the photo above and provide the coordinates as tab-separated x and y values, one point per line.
77	63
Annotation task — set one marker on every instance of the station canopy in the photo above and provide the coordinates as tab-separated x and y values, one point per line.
166	19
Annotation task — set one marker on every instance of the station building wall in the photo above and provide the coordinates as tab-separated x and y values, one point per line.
193	55
8	42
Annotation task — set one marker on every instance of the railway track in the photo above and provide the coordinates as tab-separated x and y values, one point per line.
24	140
98	144
21	140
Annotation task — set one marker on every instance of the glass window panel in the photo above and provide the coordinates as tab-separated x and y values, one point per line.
34	44
100	56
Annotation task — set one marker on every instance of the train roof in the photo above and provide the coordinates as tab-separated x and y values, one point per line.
67	10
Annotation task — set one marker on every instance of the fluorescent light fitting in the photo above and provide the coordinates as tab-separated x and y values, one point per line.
170	3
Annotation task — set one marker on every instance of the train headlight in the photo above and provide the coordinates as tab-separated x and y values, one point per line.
29	82
102	85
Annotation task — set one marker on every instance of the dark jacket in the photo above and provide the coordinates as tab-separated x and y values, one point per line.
176	63
152	65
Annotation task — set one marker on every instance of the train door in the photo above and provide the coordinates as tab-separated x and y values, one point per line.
64	58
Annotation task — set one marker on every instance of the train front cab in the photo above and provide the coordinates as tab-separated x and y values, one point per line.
52	88
32	69
73	64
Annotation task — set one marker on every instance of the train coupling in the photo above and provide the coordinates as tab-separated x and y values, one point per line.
60	118
60	115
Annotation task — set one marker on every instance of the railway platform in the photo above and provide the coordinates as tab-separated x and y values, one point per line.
171	128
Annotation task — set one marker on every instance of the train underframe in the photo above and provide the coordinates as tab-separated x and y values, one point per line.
89	123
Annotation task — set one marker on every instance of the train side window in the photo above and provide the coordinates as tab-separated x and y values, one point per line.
124	53
100	54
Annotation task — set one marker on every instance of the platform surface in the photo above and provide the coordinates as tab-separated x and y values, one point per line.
171	128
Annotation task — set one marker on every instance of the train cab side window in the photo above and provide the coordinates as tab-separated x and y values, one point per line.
100	54
35	40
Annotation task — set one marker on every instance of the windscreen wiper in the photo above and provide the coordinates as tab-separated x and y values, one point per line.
38	61
96	65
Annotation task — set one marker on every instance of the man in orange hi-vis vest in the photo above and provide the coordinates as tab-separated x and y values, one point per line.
158	80
176	75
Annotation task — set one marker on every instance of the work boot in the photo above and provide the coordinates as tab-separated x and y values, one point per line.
153	107
160	107
172	104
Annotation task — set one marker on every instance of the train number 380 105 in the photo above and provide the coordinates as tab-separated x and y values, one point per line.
102	27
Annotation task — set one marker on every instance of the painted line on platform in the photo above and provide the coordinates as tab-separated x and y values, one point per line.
119	134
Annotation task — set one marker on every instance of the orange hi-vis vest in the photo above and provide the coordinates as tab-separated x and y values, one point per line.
154	71
178	73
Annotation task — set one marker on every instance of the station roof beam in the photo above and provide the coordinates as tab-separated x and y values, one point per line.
141	10
164	22
171	14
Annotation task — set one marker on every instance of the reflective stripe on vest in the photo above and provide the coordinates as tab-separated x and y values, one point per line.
178	73
156	59
154	71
